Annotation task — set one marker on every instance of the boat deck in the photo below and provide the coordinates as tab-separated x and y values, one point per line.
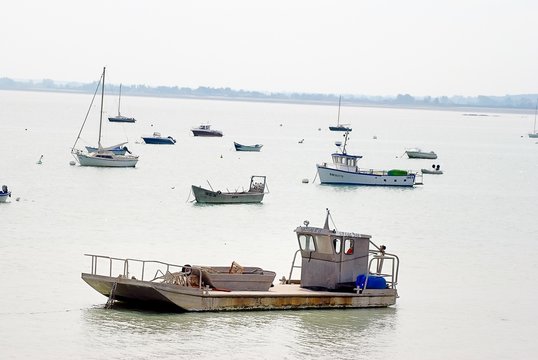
278	297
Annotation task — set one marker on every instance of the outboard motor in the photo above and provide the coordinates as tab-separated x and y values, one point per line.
4	188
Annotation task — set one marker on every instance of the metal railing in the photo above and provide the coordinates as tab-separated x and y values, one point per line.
378	259
167	273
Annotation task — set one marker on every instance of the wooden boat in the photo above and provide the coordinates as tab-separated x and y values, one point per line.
344	171
205	130
338	126
338	270
4	194
240	147
119	117
254	194
103	157
157	139
419	154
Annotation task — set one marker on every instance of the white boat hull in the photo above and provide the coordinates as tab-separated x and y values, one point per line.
328	175
3	197
92	160
421	155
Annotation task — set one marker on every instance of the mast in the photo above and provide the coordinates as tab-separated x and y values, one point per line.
339	101
119	103
101	114
536	111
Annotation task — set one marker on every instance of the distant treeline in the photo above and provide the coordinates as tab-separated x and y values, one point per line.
527	101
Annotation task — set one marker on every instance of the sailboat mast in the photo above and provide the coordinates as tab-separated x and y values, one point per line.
339	101
101	114
535	111
119	103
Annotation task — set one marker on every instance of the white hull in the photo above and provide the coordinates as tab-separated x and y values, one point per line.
328	175
115	161
421	155
3	197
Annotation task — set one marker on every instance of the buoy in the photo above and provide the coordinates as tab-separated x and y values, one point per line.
375	137
305	181
72	163
17	199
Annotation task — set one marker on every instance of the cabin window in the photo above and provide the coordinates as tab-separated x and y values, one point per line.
349	246
337	244
306	242
324	245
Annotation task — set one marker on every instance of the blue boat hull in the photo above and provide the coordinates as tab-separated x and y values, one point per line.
161	141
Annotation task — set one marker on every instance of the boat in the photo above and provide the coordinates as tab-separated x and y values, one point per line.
417	153
435	170
119	149
102	157
205	130
344	171
119	117
4	194
534	134
338	269
254	194
241	147
156	138
338	126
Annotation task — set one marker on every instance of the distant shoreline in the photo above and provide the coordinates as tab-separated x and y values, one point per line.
473	110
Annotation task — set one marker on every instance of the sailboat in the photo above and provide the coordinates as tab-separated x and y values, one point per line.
534	134
120	117
340	127
103	157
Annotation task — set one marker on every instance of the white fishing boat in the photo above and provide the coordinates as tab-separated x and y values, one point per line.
102	157
120	117
338	269
344	171
4	194
417	153
254	194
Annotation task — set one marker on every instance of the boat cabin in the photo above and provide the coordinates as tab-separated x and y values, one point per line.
345	160
331	259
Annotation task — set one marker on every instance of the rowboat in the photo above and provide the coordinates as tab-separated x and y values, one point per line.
254	194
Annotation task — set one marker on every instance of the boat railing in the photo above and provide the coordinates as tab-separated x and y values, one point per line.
293	266
377	267
161	268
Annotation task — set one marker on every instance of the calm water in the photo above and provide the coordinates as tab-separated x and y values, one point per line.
467	239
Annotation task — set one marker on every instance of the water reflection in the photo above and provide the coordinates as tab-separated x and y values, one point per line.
282	334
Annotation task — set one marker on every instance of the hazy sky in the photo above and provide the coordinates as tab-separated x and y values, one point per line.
370	47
